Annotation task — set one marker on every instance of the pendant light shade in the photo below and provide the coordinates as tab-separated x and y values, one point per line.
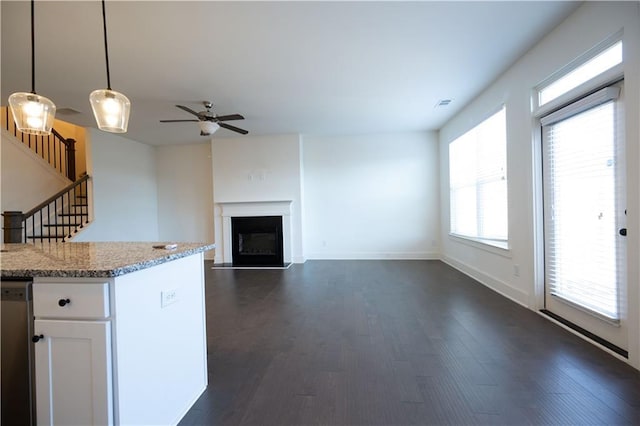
32	113
110	108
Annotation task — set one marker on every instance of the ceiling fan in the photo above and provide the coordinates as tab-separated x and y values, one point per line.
208	121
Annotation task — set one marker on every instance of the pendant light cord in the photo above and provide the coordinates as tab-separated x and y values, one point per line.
33	48
106	48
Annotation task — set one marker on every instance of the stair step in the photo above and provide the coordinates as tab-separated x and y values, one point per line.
47	237
80	205
81	196
62	225
72	214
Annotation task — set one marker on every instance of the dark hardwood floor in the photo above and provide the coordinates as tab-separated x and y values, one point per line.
395	343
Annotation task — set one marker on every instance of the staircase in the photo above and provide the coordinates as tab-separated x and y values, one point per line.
65	213
55	149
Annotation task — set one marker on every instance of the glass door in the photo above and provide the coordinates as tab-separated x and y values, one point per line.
584	216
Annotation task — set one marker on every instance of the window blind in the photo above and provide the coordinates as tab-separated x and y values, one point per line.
582	196
478	181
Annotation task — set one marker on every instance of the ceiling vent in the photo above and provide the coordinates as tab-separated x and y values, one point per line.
442	103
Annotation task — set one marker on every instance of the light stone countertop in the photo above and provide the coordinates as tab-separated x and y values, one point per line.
99	259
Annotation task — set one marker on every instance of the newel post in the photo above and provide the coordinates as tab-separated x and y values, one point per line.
12	227
71	159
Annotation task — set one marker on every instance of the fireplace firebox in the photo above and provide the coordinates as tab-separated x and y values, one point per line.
257	241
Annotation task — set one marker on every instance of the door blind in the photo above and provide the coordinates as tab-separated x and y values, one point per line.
582	193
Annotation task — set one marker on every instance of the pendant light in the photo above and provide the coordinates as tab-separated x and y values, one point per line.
32	113
110	108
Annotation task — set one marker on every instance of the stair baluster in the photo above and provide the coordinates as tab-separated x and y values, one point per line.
58	215
55	149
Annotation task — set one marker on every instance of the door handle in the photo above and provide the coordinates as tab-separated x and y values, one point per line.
623	232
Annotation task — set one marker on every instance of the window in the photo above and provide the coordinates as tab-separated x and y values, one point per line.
478	182
587	70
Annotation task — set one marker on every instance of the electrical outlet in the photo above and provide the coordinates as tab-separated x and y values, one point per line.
516	270
167	297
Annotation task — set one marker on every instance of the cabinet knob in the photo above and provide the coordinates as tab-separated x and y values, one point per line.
63	302
37	338
623	232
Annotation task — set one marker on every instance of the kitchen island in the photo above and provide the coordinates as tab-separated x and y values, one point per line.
119	330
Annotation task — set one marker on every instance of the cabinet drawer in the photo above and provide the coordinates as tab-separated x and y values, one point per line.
71	300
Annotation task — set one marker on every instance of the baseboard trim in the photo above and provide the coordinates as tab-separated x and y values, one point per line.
518	296
374	256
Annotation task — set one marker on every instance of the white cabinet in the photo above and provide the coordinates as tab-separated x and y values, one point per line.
126	350
73	372
73	353
81	299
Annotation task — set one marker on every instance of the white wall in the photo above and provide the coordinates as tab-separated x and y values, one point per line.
26	179
125	194
589	25
259	168
371	197
185	194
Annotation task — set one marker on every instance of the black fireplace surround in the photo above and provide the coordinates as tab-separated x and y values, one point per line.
257	241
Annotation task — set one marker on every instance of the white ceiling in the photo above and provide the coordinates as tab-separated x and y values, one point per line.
288	67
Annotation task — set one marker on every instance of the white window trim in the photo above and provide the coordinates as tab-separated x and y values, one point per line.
612	321
498	247
588	102
613	74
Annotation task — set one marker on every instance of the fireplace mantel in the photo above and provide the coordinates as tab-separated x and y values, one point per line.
255	208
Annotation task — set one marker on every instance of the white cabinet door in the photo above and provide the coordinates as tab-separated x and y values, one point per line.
73	373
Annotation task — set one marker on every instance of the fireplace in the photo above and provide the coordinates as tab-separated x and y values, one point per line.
242	209
257	241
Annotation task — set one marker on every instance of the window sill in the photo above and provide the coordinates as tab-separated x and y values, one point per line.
501	248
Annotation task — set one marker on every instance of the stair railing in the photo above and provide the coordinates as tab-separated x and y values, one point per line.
56	219
55	149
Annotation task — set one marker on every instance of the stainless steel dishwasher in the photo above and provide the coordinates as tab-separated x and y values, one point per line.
18	403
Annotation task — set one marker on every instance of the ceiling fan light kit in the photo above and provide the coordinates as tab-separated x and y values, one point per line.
110	108
32	113
208	127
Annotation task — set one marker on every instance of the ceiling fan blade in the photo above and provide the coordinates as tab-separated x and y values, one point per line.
229	117
233	128
177	121
189	110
